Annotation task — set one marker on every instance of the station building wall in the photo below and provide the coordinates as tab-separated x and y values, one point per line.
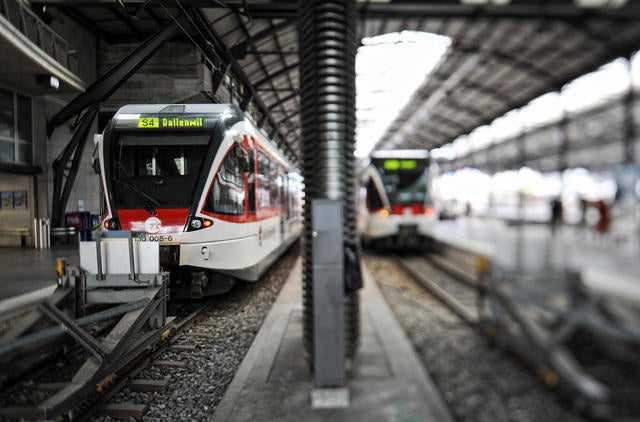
175	73
33	189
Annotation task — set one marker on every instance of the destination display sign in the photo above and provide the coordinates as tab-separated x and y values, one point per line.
162	122
166	121
395	164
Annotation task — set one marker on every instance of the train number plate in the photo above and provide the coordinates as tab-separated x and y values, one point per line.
406	230
156	238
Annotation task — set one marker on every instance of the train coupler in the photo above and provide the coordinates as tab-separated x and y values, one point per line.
199	282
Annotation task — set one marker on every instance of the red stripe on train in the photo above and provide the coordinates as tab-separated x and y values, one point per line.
407	209
166	220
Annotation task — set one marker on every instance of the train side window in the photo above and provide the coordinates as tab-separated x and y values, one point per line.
264	194
374	202
273	185
227	193
284	195
251	181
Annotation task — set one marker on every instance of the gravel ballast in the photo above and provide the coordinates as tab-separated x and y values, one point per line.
231	323
478	382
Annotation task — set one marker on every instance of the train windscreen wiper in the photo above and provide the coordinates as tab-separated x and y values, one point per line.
146	200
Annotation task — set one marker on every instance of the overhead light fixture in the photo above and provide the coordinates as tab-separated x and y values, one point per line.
48	81
485	2
595	4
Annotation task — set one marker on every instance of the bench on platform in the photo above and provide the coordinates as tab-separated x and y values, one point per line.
22	232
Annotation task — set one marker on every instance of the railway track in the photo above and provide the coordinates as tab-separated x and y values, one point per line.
458	294
480	382
37	382
174	332
191	358
547	323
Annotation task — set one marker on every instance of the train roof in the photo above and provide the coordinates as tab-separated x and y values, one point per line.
401	153
206	108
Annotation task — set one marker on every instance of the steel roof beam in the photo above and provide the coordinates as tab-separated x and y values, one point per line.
114	78
447	120
211	43
282	58
263	67
272	76
87	23
512	61
241	49
453	9
442	9
430	129
610	54
149	11
126	19
487	91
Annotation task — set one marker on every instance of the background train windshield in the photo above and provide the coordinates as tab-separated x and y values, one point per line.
157	170
405	180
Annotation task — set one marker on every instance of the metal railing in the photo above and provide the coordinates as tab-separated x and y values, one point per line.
37	31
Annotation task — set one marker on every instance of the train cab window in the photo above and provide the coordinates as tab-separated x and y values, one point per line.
159	170
227	193
374	202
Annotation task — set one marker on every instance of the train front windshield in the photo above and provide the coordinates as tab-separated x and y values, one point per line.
405	181
157	170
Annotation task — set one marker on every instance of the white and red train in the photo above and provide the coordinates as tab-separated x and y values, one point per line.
395	204
220	198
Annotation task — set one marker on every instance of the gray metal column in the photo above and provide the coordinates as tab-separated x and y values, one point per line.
328	293
327	38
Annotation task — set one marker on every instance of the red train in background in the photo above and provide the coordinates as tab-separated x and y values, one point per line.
396	208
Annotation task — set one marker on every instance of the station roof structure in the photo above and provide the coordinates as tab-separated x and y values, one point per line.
503	53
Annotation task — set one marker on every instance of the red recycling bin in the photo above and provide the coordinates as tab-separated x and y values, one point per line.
81	221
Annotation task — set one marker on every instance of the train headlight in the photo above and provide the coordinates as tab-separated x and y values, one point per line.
197	223
384	213
112	224
428	212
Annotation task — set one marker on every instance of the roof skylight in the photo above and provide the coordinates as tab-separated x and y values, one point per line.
389	69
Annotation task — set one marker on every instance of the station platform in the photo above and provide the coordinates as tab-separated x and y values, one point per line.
533	249
26	270
387	381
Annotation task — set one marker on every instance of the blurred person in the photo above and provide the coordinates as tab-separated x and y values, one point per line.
556	213
604	218
584	205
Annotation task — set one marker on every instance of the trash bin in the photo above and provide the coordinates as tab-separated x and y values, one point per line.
41	233
79	220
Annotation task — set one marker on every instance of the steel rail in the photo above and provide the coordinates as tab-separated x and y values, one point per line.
463	311
142	355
